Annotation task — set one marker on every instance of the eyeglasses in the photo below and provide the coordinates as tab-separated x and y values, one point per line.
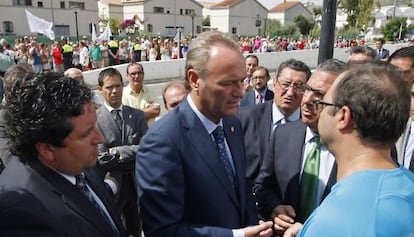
318	93
136	73
298	88
320	102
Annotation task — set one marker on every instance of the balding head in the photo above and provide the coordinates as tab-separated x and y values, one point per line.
74	73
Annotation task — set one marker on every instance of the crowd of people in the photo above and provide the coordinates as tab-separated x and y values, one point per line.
322	153
86	55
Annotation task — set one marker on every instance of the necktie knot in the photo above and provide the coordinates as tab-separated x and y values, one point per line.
81	181
218	135
117	118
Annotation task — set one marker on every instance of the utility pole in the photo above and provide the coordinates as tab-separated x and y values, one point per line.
327	37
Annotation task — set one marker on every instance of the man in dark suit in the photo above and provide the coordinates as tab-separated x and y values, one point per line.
191	176
123	128
49	189
260	94
402	152
382	54
259	121
278	185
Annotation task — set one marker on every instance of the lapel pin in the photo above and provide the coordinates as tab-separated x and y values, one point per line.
130	116
232	129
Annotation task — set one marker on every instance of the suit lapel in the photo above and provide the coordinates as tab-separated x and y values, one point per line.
128	118
206	148
107	122
75	199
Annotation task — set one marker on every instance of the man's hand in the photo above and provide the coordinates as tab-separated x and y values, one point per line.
293	230
263	229
152	110
282	217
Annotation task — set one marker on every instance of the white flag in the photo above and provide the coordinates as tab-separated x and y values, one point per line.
39	25
93	32
106	34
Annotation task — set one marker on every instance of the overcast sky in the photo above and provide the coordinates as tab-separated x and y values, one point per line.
270	3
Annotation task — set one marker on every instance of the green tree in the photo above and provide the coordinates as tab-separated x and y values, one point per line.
315	32
395	28
273	27
206	21
348	32
303	24
114	24
359	12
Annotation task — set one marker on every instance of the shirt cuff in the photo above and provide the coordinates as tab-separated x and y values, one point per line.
238	233
112	185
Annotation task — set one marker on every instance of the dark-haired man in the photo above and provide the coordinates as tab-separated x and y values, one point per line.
49	189
352	126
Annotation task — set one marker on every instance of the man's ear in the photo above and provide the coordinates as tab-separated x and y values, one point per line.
344	117
193	79
99	88
46	153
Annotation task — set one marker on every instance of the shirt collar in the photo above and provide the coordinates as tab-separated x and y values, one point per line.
110	108
207	123
277	115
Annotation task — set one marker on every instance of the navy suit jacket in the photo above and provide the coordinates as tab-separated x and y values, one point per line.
385	54
182	184
37	201
279	177
256	122
250	99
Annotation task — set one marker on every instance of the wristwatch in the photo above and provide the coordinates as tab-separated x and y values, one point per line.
114	151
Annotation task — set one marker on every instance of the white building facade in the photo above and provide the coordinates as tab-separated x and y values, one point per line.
62	13
240	17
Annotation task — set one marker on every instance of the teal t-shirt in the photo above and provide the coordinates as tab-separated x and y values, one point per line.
95	53
366	203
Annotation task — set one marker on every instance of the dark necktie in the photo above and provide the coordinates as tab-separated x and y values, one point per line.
117	118
218	135
412	163
309	181
259	98
81	184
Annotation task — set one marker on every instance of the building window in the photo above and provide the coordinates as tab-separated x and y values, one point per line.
22	2
40	4
234	30
189	11
8	26
158	10
62	4
181	11
198	29
78	5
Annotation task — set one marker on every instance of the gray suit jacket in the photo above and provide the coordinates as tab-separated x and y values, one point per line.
278	180
134	128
